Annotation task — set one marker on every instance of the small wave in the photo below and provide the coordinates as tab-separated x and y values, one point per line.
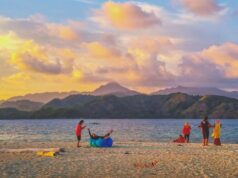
95	123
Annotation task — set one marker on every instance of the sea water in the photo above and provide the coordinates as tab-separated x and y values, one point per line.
162	130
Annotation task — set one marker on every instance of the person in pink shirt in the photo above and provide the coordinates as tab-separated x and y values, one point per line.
78	131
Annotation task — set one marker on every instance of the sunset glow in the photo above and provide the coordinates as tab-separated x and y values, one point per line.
143	45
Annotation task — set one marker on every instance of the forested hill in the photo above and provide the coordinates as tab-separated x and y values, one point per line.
176	105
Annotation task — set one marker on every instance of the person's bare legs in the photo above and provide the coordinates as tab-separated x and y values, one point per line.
204	142
78	144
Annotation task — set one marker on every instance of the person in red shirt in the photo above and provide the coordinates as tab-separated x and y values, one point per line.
186	131
180	139
78	132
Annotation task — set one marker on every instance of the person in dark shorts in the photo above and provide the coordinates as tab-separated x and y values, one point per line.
78	131
95	136
205	125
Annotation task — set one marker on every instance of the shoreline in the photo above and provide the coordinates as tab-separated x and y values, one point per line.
136	118
124	159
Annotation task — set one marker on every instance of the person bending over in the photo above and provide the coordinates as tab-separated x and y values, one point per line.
95	136
180	139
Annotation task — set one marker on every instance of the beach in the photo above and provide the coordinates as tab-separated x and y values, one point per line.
124	159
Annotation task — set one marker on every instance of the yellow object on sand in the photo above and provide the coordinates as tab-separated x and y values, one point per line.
47	153
212	134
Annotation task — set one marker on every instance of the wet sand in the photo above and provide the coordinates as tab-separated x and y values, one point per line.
125	159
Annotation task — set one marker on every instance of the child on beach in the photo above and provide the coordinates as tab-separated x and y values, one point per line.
205	125
217	132
95	136
186	131
78	131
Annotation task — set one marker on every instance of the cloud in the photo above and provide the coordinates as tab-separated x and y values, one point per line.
33	57
37	28
99	50
214	66
89	77
152	44
226	56
148	70
14	84
196	71
108	70
17	78
201	7
127	16
63	32
132	47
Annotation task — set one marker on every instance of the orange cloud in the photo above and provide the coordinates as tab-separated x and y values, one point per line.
215	66
67	33
8	84
224	55
33	57
63	32
128	16
9	41
201	7
149	70
152	44
99	50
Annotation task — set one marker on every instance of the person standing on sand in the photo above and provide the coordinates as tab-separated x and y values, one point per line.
186	131
78	131
217	132
205	125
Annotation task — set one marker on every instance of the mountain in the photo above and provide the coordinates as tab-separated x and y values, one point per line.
216	106
12	113
113	88
111	106
201	91
22	105
43	97
234	94
72	100
176	105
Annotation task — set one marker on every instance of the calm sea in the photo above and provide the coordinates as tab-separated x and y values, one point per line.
163	130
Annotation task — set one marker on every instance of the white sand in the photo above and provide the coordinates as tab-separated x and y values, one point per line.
125	159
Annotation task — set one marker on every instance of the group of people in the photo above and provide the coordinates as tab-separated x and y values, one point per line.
205	126
79	128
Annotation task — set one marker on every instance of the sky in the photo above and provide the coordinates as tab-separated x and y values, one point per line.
78	45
